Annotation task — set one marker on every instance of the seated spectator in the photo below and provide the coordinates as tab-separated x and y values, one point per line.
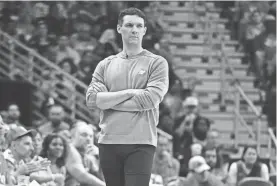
196	149
14	115
248	166
166	121
200	174
84	40
54	149
57	19
164	163
213	141
87	66
18	155
215	161
64	51
65	85
37	140
55	121
41	40
82	168
4	173
201	126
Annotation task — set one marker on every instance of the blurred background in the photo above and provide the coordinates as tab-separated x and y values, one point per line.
222	59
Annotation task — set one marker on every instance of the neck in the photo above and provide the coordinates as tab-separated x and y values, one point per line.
249	165
81	150
131	49
16	156
52	159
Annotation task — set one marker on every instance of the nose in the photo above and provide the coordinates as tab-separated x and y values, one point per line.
135	29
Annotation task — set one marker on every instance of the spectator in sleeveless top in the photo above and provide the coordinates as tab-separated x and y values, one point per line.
248	166
54	148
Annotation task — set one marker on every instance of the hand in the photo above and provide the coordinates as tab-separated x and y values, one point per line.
92	150
25	169
99	87
59	178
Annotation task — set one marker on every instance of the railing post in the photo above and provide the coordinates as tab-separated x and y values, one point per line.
222	75
11	57
236	110
259	134
31	66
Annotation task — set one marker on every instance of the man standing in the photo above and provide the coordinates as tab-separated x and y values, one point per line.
128	88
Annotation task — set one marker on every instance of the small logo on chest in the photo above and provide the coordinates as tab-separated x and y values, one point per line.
141	72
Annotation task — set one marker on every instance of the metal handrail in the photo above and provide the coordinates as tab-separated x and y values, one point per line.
243	122
272	136
46	61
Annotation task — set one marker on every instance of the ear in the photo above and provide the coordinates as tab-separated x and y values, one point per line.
144	31
119	29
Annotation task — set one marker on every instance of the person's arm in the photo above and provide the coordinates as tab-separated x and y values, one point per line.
232	177
76	169
103	100
153	94
264	171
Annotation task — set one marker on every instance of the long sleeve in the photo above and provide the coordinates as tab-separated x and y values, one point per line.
98	76
157	86
153	94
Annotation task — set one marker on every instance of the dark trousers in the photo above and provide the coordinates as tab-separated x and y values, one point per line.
126	165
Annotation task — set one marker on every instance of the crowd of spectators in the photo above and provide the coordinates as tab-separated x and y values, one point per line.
254	26
78	35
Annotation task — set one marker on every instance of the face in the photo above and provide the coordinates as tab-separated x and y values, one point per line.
250	156
56	114
74	39
66	67
196	150
43	31
83	137
87	58
132	29
56	148
210	156
38	143
14	112
257	17
63	41
162	145
24	146
212	137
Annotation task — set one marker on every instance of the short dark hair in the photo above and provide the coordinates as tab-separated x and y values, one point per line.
131	11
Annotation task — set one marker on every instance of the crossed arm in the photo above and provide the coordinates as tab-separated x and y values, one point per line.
130	99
